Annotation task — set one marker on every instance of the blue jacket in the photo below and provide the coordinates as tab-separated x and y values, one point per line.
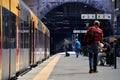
77	44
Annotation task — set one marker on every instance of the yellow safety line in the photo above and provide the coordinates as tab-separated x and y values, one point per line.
45	72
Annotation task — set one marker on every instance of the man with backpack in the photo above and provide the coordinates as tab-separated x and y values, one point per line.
92	37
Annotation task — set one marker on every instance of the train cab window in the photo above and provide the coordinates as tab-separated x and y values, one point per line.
8	29
5	28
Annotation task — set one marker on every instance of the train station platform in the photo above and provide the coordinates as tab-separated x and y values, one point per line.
59	67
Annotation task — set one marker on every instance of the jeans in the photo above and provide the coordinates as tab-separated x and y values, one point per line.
77	51
101	55
93	55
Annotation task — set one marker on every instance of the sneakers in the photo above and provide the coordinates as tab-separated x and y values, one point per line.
93	71
76	56
101	64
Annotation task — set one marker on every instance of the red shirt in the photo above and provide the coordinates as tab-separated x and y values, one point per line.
98	33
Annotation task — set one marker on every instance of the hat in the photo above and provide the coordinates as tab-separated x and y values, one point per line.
96	22
76	39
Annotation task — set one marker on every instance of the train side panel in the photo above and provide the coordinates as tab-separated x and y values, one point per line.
43	53
9	21
38	42
24	36
45	41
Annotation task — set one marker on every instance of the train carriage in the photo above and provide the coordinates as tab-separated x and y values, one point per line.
23	39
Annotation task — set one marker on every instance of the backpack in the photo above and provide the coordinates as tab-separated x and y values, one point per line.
89	36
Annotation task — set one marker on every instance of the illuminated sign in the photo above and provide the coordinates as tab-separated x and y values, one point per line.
103	16
79	31
96	16
87	16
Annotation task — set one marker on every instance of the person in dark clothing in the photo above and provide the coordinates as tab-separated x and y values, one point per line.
105	50
66	46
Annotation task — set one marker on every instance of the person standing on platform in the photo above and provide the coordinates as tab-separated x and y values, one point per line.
77	47
92	37
66	46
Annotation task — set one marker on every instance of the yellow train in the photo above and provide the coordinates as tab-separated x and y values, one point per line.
24	39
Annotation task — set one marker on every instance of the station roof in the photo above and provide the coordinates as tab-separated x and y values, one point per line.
41	7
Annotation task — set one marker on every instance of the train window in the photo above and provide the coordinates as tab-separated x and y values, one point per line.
35	38
21	33
13	31
13	26
21	24
24	34
5	29
8	29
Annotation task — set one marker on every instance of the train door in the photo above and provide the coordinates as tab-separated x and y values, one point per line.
23	52
8	42
31	43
